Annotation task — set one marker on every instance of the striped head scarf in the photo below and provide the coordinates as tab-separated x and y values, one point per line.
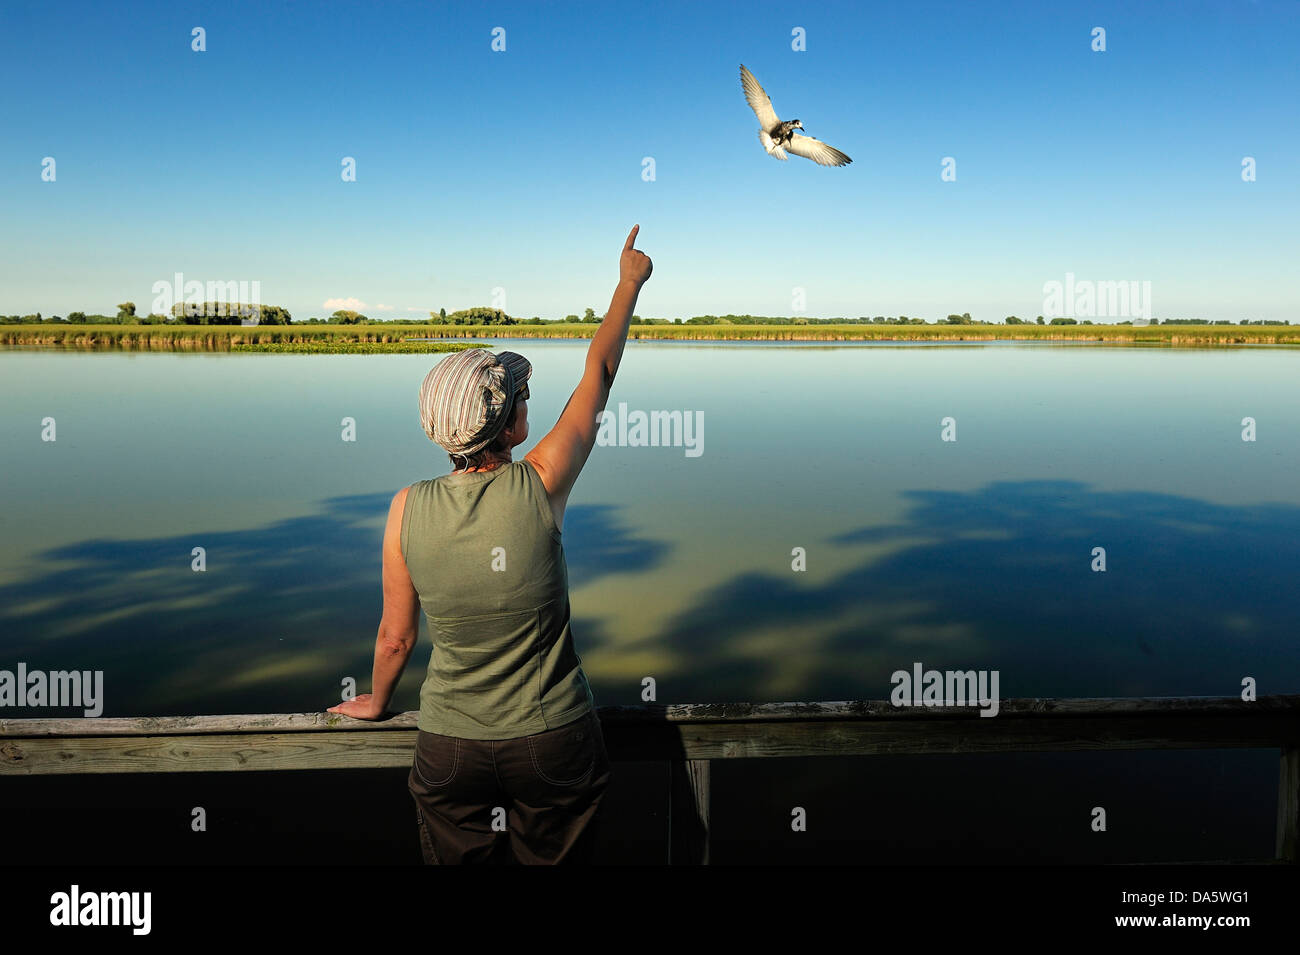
466	398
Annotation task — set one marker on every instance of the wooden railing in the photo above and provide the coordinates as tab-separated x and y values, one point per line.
687	737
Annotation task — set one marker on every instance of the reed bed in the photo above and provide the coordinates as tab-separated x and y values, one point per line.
1148	334
354	338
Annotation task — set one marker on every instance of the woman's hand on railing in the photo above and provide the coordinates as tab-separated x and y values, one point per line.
362	707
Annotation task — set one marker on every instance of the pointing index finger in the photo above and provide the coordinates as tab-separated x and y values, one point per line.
631	237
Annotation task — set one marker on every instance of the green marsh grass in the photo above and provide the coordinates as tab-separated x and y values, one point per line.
364	338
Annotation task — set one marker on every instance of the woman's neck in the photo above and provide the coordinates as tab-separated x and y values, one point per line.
491	464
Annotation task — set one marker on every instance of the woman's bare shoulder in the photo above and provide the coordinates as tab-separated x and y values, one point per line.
398	504
539	468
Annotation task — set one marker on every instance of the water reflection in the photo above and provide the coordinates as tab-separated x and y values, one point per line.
1196	596
282	613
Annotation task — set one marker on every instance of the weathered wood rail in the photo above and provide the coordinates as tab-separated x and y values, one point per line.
687	737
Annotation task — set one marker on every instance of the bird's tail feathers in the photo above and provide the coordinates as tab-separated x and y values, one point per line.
770	145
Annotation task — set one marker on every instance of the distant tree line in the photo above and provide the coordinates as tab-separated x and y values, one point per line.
209	313
227	313
223	313
479	315
1221	321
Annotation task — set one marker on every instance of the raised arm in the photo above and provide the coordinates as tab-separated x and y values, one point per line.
560	455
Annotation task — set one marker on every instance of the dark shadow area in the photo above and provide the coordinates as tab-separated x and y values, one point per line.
1170	806
998	808
324	817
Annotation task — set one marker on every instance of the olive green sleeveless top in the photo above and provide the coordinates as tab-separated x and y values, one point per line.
486	559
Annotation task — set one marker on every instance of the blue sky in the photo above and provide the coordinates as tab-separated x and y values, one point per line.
522	170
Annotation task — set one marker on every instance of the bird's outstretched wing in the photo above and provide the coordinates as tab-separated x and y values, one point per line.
817	151
757	99
770	145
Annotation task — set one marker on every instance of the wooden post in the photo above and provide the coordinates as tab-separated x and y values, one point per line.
688	812
1288	805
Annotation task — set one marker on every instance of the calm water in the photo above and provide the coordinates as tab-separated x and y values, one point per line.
967	554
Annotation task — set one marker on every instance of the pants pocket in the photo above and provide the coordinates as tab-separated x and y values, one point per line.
567	755
437	759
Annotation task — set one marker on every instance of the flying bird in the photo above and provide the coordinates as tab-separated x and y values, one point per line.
777	136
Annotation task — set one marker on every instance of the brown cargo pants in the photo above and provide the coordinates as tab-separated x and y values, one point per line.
533	800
